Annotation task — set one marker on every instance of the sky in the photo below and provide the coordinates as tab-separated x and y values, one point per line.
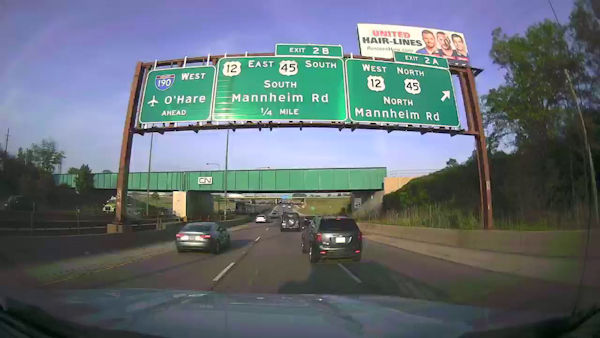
67	68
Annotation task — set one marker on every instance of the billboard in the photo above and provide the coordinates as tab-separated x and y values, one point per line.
375	40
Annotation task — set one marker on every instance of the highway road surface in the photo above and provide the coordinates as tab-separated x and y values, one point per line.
264	260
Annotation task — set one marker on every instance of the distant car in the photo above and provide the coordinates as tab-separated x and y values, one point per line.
19	202
290	221
207	236
306	221
332	237
261	219
109	208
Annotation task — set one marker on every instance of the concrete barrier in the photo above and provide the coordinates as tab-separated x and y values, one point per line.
35	261
39	249
236	221
556	256
533	243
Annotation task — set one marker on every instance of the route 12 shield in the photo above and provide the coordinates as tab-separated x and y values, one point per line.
164	82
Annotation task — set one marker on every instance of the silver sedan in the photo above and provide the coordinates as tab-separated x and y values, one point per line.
202	236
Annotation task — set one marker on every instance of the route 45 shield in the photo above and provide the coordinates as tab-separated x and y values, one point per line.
164	82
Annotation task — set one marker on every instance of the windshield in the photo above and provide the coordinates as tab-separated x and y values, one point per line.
367	168
197	227
338	225
291	216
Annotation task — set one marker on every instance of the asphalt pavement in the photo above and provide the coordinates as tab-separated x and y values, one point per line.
264	260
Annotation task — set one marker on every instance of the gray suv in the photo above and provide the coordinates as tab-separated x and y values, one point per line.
290	221
332	237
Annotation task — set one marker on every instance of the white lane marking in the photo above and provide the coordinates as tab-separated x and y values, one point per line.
257	239
267	229
222	273
356	279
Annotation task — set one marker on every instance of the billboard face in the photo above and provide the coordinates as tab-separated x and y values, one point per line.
376	40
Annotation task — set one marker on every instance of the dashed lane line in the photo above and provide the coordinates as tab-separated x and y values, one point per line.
353	276
222	273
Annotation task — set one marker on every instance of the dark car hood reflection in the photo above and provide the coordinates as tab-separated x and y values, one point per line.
190	313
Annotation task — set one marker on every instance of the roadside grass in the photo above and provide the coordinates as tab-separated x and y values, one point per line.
436	216
325	206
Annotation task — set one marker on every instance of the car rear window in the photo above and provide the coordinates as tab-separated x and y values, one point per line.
197	227
342	224
292	216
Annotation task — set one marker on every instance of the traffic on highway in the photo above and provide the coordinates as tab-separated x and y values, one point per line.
300	169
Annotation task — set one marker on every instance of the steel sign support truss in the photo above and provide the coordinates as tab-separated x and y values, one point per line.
466	76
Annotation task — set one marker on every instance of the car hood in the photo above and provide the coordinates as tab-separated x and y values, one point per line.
179	313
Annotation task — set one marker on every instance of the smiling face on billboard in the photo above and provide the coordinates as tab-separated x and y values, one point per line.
378	40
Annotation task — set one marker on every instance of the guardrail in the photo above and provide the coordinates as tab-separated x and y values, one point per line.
94	224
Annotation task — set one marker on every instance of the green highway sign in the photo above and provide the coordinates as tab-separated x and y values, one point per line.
270	88
309	50
421	59
178	95
401	93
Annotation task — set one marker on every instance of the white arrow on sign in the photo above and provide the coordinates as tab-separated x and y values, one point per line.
446	95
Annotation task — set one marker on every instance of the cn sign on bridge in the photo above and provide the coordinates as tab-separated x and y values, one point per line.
415	90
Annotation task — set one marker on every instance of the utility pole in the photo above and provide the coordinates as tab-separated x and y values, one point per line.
225	179
590	159
588	150
219	168
6	143
148	178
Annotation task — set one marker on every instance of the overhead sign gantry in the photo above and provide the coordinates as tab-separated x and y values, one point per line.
302	86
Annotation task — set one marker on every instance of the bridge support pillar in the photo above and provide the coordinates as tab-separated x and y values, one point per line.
366	201
193	205
118	228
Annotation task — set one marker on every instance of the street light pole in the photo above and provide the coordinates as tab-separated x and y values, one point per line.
215	164
225	179
6	143
148	178
218	168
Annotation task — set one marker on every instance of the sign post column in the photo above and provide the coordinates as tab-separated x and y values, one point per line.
473	111
124	158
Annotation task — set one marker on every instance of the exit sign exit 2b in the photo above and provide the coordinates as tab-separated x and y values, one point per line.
309	50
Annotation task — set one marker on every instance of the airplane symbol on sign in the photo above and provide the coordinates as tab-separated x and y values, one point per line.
153	101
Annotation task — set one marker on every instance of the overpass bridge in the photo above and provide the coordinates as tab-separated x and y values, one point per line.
260	180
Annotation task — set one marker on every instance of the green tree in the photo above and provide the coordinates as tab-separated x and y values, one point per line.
584	26
451	162
106	171
45	155
73	171
530	107
84	182
534	136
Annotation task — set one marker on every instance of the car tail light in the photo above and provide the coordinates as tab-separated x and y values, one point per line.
359	236
319	237
205	236
178	235
356	251
323	252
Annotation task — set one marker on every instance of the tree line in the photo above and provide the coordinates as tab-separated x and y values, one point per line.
537	158
30	174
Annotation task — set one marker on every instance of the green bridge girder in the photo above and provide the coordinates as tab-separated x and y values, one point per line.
263	180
